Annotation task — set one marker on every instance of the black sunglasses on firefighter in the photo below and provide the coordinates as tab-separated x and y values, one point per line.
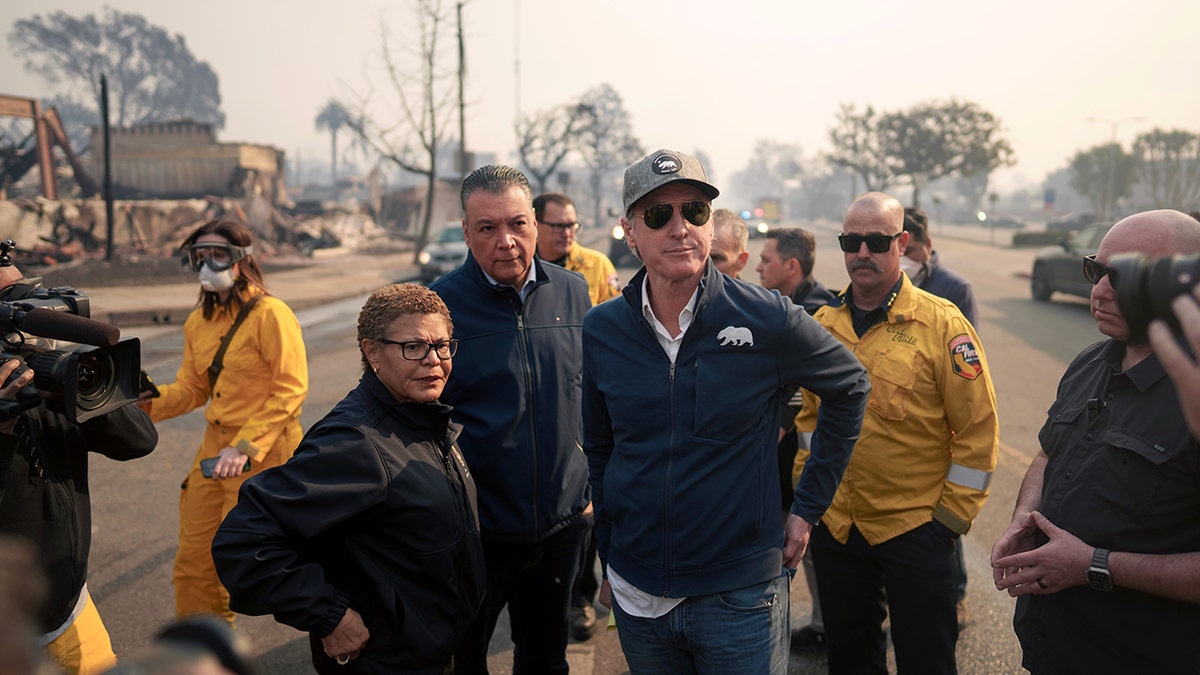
876	243
695	212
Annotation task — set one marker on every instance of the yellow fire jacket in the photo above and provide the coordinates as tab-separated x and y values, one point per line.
928	445
263	383
597	269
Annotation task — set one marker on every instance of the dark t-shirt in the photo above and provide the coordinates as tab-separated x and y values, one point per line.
1123	474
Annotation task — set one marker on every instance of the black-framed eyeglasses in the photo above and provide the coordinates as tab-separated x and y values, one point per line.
1094	270
562	226
416	350
217	256
876	243
695	212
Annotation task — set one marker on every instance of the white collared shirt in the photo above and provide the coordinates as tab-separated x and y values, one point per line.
634	601
669	344
523	290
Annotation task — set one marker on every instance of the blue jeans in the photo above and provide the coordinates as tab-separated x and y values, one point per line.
744	630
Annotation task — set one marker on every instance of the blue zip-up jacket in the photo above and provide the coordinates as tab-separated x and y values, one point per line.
515	391
683	456
951	285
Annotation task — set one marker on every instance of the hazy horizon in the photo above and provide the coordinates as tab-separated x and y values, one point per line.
704	76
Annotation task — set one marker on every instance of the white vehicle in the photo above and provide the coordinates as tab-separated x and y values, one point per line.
446	252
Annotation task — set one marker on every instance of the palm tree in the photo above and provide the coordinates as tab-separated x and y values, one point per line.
332	117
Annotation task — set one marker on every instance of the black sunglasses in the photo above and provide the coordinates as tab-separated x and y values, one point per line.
695	212
876	243
1094	270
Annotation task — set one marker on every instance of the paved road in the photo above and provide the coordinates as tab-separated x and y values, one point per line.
1028	345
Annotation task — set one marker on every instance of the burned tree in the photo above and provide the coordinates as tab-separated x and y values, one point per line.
546	138
424	94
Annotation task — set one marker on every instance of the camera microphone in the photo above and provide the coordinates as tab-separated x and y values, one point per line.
55	325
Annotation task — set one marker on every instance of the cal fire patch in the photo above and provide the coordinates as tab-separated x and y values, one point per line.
965	357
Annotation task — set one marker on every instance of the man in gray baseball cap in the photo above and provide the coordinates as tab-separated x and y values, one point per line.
659	168
682	459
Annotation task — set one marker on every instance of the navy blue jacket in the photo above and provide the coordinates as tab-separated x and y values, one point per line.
515	391
812	295
376	512
683	456
950	285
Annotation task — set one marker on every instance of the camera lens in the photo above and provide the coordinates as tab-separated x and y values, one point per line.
1145	289
93	373
94	379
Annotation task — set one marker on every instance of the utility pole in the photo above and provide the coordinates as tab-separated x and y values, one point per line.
108	195
462	115
517	62
1110	198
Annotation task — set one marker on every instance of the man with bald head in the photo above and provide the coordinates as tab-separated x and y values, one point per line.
730	235
920	471
1103	552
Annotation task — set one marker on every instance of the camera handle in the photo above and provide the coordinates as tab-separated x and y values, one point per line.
10	409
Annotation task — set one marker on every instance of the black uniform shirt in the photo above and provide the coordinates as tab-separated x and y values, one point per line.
1123	474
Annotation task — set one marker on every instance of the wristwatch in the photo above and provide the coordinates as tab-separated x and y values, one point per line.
1097	575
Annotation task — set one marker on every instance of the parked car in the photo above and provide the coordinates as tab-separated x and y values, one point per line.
618	250
446	252
1010	222
1060	268
1070	222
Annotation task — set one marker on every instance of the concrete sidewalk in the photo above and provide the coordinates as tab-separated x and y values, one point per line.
311	282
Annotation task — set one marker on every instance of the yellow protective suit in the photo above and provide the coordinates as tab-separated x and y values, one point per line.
84	648
930	436
255	408
597	269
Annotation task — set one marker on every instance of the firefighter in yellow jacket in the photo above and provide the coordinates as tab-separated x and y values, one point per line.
557	223
921	468
253	409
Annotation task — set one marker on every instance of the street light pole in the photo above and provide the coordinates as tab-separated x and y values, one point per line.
1115	123
1110	200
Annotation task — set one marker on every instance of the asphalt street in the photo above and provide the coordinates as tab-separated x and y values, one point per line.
1028	344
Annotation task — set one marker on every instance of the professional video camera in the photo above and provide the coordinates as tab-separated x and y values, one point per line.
97	376
1145	288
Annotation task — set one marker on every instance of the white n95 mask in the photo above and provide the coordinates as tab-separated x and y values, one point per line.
915	270
216	282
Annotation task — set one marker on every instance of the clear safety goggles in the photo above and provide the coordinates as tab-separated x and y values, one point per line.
218	257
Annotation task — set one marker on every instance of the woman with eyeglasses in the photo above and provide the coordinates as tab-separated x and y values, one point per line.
368	539
253	395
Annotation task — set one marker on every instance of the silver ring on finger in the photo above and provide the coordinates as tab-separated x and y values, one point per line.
343	659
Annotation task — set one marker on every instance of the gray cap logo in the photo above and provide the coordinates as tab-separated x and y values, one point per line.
664	164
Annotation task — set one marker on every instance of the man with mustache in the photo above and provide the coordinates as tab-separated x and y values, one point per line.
921	468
